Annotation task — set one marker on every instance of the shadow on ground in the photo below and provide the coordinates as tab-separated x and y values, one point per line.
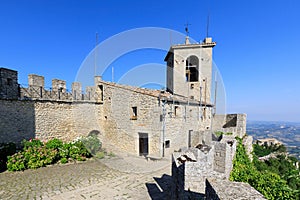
164	189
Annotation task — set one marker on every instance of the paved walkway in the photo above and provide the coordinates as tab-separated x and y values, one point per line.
119	178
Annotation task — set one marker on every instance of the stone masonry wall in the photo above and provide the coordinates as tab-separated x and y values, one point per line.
217	189
219	157
65	120
46	120
122	127
17	120
185	124
224	154
231	123
248	143
9	87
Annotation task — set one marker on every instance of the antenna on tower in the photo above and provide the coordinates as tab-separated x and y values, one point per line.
208	18
187	28
207	25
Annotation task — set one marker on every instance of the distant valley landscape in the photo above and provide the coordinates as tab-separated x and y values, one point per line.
286	132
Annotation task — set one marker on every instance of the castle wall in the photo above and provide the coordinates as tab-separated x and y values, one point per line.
9	87
189	177
65	120
230	123
17	120
224	152
46	120
217	189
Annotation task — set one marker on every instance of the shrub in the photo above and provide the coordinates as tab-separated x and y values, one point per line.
40	157
31	143
54	144
35	154
32	158
63	160
92	143
64	151
16	162
78	151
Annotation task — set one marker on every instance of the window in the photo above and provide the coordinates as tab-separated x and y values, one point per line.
134	113
101	92
167	144
192	69
192	86
176	109
9	81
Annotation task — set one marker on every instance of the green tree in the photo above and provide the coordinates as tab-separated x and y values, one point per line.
260	175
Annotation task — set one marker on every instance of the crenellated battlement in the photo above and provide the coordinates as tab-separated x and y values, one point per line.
36	90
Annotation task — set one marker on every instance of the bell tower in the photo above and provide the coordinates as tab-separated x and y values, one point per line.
189	70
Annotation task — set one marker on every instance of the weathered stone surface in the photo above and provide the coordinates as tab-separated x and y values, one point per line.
218	189
9	87
46	120
230	123
154	117
248	143
214	162
17	120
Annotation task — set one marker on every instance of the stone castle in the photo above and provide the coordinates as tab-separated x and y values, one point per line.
139	121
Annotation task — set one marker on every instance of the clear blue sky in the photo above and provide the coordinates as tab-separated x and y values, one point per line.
257	48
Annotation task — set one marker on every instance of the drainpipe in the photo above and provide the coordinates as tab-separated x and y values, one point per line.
164	101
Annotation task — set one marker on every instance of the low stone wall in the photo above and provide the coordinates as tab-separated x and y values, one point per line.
230	123
189	177
217	189
248	143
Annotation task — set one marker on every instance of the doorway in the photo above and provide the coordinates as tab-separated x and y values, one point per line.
143	144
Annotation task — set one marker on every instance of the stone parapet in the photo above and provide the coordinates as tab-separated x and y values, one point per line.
218	189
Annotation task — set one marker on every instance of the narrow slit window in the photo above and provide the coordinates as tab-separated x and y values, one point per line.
176	110
101	92
134	113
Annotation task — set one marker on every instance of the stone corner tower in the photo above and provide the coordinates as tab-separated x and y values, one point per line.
9	87
189	70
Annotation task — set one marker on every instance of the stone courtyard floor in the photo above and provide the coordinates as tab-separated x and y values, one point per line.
125	177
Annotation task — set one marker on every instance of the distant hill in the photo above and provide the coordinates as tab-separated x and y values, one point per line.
286	132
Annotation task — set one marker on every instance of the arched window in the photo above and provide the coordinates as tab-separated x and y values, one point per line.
192	69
